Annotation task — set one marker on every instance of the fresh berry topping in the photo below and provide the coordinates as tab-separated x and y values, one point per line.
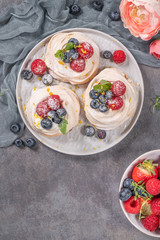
18	142
94	104
153	186
30	142
128	183
53	102
42	109
94	94
73	54
61	112
97	5
101	134
38	67
115	103
159	217
144	171
89	131
119	56
66	58
52	114
74	41
86	50
145	206
78	65
107	54
118	88
74	9
47	79
132	206
115	15
150	222
57	120
109	94
142	192
15	127
26	74
102	99
155	206
46	123
103	107
125	194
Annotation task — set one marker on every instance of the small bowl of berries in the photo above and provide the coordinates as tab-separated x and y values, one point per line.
139	193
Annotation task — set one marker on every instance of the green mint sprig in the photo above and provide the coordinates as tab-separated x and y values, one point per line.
63	126
60	52
103	86
156	105
69	46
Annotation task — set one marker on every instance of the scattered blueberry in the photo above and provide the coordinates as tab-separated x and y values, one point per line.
46	123
128	183
74	41
15	127
103	108
97	5
52	114
107	54
115	15
47	79
94	103
61	112
125	194
57	120
74	9
26	74
30	142
18	142
66	58
142	192
73	54
102	99
109	94
89	131
94	94
101	134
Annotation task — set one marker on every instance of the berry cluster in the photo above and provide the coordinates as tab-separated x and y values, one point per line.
141	194
118	56
90	131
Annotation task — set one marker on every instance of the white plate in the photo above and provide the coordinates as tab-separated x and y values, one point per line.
74	142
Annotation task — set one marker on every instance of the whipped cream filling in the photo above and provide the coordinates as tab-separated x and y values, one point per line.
113	118
62	71
69	100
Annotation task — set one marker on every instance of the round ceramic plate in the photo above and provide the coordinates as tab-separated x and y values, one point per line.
75	142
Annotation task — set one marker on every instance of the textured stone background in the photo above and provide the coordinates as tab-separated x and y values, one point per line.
45	195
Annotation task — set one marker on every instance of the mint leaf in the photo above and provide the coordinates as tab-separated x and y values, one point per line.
59	54
69	46
63	126
105	82
102	87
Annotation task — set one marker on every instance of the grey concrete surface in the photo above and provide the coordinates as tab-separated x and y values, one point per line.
45	195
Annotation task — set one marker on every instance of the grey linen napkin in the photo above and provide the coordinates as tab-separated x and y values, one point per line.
23	26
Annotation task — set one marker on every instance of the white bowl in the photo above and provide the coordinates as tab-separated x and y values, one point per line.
155	155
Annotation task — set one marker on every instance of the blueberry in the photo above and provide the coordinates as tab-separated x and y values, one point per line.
125	194
142	192
115	15
94	103
97	5
109	94
73	54
101	134
46	123
74	41
15	127
89	131
47	79
57	120
102	99
18	142
103	108
94	94
26	74
74	9
30	142
66	58
128	183
52	114
107	54
61	112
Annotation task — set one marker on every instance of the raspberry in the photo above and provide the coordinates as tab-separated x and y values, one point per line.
38	67
119	56
132	206
115	103
42	109
150	222
118	88
153	186
159	170
78	65
159	221
53	102
155	206
86	50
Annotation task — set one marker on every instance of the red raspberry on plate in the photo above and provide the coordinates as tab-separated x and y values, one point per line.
118	88
86	50
132	206
42	109
38	67
119	56
54	102
78	65
155	206
153	186
150	222
115	103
